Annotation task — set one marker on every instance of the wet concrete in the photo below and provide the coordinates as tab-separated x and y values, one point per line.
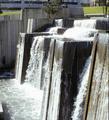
23	54
97	108
62	62
74	58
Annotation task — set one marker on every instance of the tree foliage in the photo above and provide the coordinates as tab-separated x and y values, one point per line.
52	8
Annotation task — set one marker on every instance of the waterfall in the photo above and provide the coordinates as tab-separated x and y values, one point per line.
20	101
53	30
80	34
27	97
78	111
47	74
39	68
59	22
33	73
53	74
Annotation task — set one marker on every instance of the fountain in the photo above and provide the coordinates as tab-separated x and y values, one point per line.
56	103
50	71
56	66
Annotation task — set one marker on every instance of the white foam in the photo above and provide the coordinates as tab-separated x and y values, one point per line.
33	73
53	30
87	23
81	34
59	22
20	102
77	113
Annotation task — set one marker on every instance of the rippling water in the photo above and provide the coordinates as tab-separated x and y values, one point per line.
20	102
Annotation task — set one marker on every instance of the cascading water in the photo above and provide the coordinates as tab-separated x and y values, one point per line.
35	64
78	111
45	71
26	97
58	25
59	22
53	30
80	34
85	23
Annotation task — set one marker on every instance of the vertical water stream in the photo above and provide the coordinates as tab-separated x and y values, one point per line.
78	111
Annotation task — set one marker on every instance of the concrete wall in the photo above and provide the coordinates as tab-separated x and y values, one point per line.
20	58
63	88
97	96
30	20
9	33
35	18
11	26
34	24
23	54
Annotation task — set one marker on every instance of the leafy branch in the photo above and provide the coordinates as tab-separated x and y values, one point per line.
52	8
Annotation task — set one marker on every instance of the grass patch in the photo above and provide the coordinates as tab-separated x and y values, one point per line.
95	10
10	13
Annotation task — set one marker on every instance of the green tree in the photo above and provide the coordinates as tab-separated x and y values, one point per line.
52	8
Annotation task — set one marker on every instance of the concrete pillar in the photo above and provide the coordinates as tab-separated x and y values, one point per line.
69	60
97	102
23	54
